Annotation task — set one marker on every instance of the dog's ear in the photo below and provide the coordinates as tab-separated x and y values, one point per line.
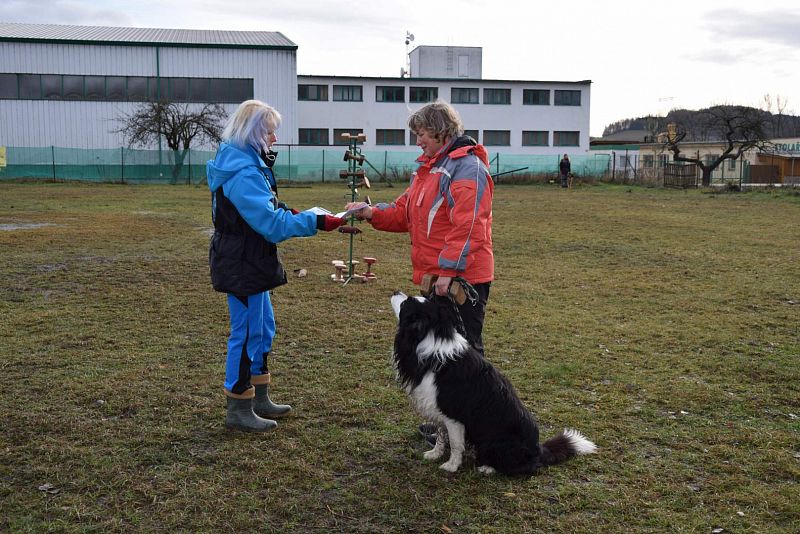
414	317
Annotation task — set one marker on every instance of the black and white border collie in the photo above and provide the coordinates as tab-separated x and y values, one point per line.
451	385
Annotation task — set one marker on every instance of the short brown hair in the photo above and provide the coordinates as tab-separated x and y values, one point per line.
439	118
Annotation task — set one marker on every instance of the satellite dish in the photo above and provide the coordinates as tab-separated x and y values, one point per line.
409	37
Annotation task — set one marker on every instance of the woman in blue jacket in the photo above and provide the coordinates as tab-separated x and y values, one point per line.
248	222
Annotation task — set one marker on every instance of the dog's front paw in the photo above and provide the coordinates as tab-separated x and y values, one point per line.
433	454
450	466
486	470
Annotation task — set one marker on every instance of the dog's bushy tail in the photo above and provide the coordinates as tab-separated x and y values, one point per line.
564	446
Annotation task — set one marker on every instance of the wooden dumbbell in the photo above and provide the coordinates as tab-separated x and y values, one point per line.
338	276
368	274
344	174
359	158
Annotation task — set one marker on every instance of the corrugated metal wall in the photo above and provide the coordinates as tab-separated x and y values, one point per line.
90	124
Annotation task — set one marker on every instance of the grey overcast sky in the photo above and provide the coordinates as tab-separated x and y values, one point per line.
642	57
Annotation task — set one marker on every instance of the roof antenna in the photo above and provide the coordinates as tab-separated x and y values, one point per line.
406	72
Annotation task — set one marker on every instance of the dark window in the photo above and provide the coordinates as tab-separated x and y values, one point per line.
647	161
218	90
566	138
95	87
115	87
239	90
162	92
51	86
567	98
73	87
389	137
339	140
152	86
497	137
385	93
497	96
472	133
30	86
137	88
347	93
122	88
412	138
536	97
312	92
198	89
178	89
423	94
8	86
313	136
464	95
535	138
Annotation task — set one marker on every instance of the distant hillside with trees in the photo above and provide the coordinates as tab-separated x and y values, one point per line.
775	125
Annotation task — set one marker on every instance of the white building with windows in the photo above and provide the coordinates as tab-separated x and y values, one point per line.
513	116
65	86
507	115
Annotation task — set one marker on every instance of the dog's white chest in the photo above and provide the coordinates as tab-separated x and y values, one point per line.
423	397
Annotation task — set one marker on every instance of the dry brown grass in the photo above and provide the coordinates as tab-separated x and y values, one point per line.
662	324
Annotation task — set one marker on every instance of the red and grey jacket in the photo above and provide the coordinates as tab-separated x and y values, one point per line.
447	210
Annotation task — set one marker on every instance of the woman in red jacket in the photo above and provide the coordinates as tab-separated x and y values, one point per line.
447	210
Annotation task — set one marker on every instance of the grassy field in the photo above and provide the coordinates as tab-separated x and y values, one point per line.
662	324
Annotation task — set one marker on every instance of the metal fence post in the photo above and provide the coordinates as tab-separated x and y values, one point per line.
53	158
122	164
323	165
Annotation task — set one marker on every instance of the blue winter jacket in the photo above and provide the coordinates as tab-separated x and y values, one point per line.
244	178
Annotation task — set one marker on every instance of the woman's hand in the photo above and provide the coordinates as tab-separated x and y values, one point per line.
362	214
442	286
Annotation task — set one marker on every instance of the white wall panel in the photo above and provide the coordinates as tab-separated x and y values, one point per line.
77	59
89	124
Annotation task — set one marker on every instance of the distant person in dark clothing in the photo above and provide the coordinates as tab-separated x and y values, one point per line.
564	168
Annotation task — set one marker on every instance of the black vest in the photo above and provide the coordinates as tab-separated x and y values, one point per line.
242	262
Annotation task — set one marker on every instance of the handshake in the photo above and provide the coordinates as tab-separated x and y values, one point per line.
360	210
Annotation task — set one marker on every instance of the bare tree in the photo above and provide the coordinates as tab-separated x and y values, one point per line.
178	124
740	128
779	103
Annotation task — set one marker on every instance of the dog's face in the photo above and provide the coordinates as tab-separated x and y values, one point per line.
420	316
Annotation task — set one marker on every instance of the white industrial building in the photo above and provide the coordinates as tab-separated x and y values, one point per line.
64	86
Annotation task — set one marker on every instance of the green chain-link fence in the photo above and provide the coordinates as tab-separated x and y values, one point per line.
303	164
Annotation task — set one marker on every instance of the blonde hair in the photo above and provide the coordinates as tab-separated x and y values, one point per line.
251	123
439	118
